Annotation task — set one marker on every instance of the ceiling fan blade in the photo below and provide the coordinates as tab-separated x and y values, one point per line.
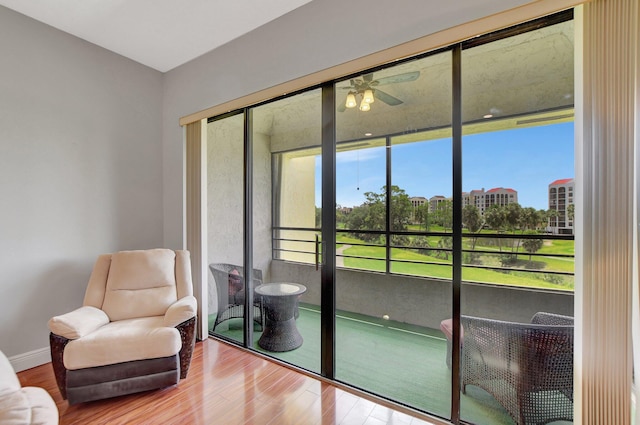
400	78
386	97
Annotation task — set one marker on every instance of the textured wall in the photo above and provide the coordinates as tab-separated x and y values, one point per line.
420	301
297	44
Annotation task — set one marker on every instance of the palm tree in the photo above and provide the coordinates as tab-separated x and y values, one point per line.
473	221
495	218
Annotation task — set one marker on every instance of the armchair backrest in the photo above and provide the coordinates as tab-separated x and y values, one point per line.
130	284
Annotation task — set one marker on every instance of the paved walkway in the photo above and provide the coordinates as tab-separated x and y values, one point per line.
339	258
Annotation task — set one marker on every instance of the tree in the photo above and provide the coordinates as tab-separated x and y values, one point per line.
372	215
529	219
495	217
400	208
445	244
513	214
571	211
532	245
513	211
444	214
552	215
422	216
472	220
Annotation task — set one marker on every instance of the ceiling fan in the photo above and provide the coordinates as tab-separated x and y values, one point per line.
366	86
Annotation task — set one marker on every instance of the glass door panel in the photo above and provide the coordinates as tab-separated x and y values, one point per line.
225	208
286	151
391	299
517	261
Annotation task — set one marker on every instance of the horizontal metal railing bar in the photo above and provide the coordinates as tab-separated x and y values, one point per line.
293	250
362	257
481	251
302	229
544	236
293	240
475	266
361	244
437	263
518	236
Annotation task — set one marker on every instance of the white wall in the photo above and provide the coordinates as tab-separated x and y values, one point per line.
80	171
316	36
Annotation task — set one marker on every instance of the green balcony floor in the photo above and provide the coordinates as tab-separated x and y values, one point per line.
401	362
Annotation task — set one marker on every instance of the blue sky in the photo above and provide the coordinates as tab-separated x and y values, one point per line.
526	160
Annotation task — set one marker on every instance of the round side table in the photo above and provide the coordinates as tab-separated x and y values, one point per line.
279	301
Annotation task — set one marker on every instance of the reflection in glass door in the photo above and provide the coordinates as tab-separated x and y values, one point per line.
225	208
393	285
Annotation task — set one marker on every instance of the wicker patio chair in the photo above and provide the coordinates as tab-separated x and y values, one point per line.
528	368
229	280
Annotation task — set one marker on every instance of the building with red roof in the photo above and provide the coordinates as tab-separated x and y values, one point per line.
560	200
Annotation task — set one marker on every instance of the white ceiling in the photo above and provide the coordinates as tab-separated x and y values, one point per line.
161	34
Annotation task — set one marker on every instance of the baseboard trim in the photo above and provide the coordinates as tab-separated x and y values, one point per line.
30	359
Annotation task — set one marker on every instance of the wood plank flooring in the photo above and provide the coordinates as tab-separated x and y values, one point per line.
227	385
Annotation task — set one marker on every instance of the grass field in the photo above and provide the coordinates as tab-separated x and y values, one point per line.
523	271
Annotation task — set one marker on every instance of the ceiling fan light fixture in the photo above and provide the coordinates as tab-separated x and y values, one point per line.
351	101
367	97
364	106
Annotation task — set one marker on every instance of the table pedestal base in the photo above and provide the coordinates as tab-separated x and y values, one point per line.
280	335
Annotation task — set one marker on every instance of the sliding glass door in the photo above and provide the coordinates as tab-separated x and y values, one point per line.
393	251
286	219
518	179
388	216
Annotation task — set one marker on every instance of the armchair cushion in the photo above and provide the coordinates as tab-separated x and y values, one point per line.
181	310
78	323
140	284
22	406
123	341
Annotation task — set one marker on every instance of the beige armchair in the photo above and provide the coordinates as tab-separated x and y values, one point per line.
135	331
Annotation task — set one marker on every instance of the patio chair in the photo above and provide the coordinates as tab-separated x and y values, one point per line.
528	368
229	280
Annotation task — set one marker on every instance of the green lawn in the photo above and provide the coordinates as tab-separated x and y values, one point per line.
443	269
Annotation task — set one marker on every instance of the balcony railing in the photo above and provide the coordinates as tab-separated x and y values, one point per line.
531	260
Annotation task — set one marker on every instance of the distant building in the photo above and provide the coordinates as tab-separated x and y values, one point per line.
435	201
483	200
500	196
560	197
416	201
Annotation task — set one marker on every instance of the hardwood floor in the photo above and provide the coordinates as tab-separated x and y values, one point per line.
228	386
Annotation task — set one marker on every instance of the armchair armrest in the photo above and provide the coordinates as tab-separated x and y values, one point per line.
78	323
183	309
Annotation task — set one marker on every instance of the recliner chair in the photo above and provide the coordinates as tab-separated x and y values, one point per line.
135	331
